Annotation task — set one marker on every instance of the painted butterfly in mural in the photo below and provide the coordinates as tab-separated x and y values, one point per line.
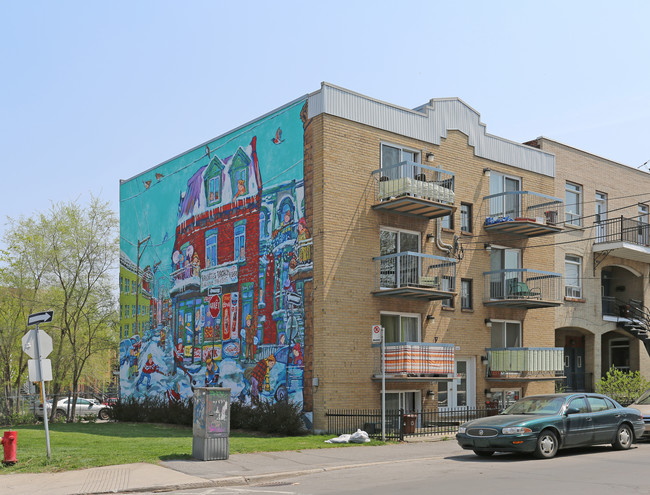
278	137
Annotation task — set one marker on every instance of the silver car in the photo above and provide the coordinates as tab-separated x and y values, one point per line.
85	407
643	405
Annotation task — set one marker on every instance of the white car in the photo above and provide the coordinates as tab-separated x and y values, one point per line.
85	407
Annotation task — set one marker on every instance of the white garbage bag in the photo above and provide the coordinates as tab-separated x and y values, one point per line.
359	436
345	438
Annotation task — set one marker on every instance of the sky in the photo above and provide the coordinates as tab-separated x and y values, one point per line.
95	92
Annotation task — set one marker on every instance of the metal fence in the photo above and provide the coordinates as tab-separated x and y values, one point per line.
400	423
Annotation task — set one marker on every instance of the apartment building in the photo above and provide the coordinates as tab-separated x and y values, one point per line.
281	246
604	253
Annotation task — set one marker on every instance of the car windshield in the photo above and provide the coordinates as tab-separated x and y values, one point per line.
536	405
644	399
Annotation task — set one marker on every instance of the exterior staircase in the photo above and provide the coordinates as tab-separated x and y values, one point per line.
636	321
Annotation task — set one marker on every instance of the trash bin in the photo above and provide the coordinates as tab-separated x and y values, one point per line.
211	424
409	421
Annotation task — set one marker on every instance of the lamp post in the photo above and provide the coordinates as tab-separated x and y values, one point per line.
137	278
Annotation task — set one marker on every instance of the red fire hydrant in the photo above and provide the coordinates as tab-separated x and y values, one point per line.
10	446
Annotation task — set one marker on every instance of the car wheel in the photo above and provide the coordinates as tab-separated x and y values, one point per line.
624	438
484	453
547	445
59	414
103	414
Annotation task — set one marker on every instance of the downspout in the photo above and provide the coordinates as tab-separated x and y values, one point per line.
442	246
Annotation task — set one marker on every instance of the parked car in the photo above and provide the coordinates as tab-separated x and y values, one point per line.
85	407
542	424
643	405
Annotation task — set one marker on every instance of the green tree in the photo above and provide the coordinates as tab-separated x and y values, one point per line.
622	386
69	255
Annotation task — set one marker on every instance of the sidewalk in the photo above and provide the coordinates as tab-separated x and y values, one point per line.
239	469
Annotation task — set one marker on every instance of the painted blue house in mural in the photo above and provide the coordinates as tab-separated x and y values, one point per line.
231	254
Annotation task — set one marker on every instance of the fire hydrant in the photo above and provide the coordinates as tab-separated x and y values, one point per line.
9	443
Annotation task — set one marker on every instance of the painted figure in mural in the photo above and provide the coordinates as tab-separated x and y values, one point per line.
250	338
211	372
161	342
147	370
179	351
304	250
174	394
296	355
241	189
260	377
132	360
196	265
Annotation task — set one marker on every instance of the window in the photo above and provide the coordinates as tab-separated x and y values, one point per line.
598	404
601	217
619	354
447	284
214	190
580	404
211	248
465	217
504	197
643	236
506	334
573	204
127	288
504	271
396	270
121	282
401	328
572	276
240	242
392	155
447	222
466	293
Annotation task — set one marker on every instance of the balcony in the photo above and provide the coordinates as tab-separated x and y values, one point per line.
409	188
416	360
415	275
627	238
522	288
522	213
525	363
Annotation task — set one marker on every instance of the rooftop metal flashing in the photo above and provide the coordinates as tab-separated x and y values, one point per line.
430	122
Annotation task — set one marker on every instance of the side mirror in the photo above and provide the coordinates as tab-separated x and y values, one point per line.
572	410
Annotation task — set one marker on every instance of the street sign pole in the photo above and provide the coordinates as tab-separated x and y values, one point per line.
383	387
45	418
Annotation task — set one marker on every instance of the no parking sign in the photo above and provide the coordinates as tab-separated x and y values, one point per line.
376	334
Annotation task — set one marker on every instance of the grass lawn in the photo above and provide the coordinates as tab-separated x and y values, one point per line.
84	445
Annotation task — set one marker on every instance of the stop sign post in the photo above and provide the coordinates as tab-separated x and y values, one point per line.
38	345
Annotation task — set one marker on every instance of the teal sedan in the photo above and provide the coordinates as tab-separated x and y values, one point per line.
543	424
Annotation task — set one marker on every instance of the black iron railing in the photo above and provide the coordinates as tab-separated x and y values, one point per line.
401	423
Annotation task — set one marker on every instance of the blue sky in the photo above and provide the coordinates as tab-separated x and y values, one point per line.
95	92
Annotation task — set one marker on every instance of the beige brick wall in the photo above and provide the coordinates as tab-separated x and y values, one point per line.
346	238
625	188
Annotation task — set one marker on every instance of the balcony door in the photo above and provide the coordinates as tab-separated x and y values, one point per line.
460	392
643	236
401	327
398	271
392	155
506	204
503	259
601	217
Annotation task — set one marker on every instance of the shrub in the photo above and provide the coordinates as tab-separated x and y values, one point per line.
279	418
153	410
623	387
18	419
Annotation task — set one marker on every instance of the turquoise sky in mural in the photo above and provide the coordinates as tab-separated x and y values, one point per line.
153	210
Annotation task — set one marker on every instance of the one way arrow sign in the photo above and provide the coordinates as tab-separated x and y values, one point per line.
37	318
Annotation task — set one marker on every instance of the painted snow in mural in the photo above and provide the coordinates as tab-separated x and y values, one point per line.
219	246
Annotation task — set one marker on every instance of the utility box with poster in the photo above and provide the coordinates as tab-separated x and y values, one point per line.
211	424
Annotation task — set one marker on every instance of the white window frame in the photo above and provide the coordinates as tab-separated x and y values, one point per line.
574	291
620	344
505	336
403	149
416	316
573	216
499	206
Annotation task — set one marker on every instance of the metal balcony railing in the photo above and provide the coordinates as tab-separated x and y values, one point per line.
525	362
409	269
635	230
517	206
416	359
522	284
415	180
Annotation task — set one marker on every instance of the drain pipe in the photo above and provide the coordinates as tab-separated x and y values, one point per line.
442	246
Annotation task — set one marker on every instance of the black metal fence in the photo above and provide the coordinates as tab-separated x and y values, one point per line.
400	423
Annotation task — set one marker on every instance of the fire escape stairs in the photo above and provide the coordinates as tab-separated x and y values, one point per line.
637	322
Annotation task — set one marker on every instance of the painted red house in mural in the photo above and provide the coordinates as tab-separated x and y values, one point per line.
216	258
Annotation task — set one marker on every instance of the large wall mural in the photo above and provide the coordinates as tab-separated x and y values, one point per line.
218	242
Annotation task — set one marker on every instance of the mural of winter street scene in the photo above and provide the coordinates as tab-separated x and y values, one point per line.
217	241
